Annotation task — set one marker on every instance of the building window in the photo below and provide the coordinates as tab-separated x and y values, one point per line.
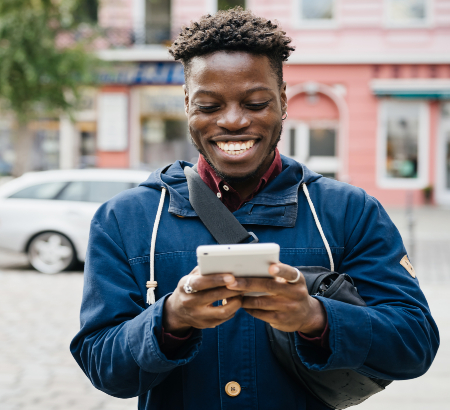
157	21
322	142
86	11
229	4
314	144
315	13
403	144
406	12
164	128
442	193
317	9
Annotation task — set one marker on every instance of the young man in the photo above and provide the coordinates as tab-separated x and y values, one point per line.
187	352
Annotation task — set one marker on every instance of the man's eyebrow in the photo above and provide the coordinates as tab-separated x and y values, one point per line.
246	92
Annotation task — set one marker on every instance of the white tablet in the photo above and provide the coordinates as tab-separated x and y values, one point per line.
247	260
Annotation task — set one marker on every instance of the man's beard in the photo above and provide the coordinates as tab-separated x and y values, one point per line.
237	180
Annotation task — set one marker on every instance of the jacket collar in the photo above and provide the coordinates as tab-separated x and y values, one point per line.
282	191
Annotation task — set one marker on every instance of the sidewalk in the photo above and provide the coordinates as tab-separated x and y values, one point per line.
430	249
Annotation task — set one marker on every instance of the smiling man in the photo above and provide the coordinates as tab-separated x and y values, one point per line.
173	344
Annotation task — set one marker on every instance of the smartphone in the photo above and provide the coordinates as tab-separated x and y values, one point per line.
242	260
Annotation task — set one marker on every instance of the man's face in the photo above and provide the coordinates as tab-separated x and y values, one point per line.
234	107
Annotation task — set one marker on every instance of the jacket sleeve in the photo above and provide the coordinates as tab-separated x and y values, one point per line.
394	337
117	346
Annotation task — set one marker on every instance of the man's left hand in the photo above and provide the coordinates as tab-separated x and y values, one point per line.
288	307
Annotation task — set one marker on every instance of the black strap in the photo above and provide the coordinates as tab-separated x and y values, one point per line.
219	221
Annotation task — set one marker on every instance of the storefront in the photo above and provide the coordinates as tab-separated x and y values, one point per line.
141	119
374	126
164	128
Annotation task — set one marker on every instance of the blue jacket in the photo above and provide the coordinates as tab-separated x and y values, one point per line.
394	337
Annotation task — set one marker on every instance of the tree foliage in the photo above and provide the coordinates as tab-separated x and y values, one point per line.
37	70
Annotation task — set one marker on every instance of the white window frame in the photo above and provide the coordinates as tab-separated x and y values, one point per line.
301	23
442	193
427	22
320	164
422	179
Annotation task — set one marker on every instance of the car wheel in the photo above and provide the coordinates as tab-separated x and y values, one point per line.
51	252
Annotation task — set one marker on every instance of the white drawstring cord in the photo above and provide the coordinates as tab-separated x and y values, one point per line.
152	284
319	227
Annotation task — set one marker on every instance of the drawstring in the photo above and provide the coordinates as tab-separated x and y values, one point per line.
319	227
152	284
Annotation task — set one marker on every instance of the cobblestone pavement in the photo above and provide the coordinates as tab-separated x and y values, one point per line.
39	316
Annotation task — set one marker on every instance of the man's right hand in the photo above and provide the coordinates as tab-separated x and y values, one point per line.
185	310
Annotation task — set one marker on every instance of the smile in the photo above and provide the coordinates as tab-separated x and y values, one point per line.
235	147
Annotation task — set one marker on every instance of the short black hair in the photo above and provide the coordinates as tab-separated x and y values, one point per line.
235	29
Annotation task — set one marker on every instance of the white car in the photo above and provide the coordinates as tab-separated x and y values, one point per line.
47	214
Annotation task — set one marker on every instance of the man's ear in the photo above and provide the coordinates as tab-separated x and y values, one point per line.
283	97
186	100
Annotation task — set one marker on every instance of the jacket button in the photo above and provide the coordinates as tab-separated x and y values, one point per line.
232	389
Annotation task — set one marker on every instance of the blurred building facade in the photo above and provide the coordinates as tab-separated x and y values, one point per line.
368	89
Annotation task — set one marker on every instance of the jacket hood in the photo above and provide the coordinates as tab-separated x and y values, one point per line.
282	190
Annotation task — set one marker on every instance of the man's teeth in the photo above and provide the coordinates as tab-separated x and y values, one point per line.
235	148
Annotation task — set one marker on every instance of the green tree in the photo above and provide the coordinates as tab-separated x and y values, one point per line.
42	67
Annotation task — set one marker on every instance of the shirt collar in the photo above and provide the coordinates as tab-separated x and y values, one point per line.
229	196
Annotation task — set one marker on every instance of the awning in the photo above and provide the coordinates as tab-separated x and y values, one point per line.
428	89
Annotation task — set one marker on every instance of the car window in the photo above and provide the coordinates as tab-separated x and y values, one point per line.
75	191
93	191
102	191
48	190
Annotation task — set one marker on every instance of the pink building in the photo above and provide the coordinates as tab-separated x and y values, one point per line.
368	85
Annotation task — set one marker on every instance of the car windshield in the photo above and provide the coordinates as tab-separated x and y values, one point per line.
48	190
93	191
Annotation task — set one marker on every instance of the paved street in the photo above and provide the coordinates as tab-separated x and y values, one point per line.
39	316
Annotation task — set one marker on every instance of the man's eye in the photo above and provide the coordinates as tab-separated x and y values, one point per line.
258	106
207	108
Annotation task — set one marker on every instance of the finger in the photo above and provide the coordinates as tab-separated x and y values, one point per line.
200	282
271	286
269	316
209	296
219	313
286	272
195	271
267	303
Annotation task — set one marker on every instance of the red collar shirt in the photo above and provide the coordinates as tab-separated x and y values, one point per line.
230	197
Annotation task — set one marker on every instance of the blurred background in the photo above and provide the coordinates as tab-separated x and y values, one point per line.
87	86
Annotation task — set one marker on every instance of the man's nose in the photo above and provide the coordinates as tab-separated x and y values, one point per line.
234	119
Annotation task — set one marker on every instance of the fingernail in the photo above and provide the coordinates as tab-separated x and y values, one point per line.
228	279
275	270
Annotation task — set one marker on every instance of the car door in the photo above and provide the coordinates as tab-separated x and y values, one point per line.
81	200
28	211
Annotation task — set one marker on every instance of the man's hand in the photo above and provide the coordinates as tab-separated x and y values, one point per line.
289	307
185	310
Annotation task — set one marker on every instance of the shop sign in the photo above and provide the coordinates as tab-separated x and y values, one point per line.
145	73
